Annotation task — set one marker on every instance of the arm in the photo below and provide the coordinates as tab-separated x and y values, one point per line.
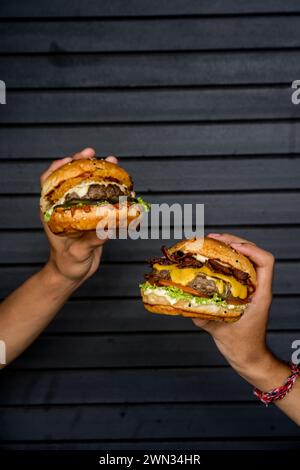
31	307
243	344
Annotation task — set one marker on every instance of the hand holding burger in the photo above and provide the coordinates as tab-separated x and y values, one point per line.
201	278
82	192
244	344
73	258
33	305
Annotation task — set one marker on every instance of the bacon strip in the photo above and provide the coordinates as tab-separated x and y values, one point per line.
184	260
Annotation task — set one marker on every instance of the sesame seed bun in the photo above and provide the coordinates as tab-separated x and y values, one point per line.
215	249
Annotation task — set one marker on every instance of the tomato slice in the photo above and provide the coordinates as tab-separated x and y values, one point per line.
189	290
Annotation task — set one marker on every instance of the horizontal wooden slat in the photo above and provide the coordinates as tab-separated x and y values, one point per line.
150	35
150	175
140	350
167	140
220	209
122	386
112	280
88	106
32	247
129	315
142	422
80	106
151	69
117	8
262	444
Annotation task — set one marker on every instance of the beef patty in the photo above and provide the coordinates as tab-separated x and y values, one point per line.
96	192
200	283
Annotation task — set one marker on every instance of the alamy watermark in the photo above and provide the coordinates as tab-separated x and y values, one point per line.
2	352
164	221
295	98
2	92
296	354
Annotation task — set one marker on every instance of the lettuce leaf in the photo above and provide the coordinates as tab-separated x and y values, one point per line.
146	205
47	215
176	293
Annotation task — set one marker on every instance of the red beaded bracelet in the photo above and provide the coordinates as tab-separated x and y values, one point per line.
279	392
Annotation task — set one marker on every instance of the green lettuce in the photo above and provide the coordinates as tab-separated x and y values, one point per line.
146	205
47	215
73	203
176	293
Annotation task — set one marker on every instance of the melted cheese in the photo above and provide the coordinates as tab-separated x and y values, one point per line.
185	275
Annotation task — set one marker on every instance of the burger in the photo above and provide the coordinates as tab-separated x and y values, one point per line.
200	278
82	193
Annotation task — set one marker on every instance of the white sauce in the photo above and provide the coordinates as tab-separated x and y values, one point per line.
200	258
162	293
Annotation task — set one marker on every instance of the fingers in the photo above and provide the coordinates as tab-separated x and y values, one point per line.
205	325
82	248
112	159
260	257
263	260
88	152
228	238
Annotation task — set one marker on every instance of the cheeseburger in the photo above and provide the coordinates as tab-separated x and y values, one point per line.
201	278
82	193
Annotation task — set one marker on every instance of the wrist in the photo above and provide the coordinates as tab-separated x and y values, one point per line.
265	373
56	279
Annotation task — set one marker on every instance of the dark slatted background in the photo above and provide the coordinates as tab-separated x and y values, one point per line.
194	96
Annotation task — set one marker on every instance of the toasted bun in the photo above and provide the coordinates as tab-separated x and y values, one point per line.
77	171
214	249
68	221
77	168
160	304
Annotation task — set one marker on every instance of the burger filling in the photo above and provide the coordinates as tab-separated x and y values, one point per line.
184	275
94	193
97	191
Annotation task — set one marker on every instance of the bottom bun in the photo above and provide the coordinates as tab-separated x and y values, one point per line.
161	305
80	219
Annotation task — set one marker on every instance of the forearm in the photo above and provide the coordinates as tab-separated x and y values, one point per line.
30	308
268	373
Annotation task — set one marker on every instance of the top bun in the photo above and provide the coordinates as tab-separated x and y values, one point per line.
215	249
77	168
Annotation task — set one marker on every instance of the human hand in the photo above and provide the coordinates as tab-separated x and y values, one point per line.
76	258
243	343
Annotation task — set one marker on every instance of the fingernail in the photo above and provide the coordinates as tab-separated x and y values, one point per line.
88	151
214	234
236	244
